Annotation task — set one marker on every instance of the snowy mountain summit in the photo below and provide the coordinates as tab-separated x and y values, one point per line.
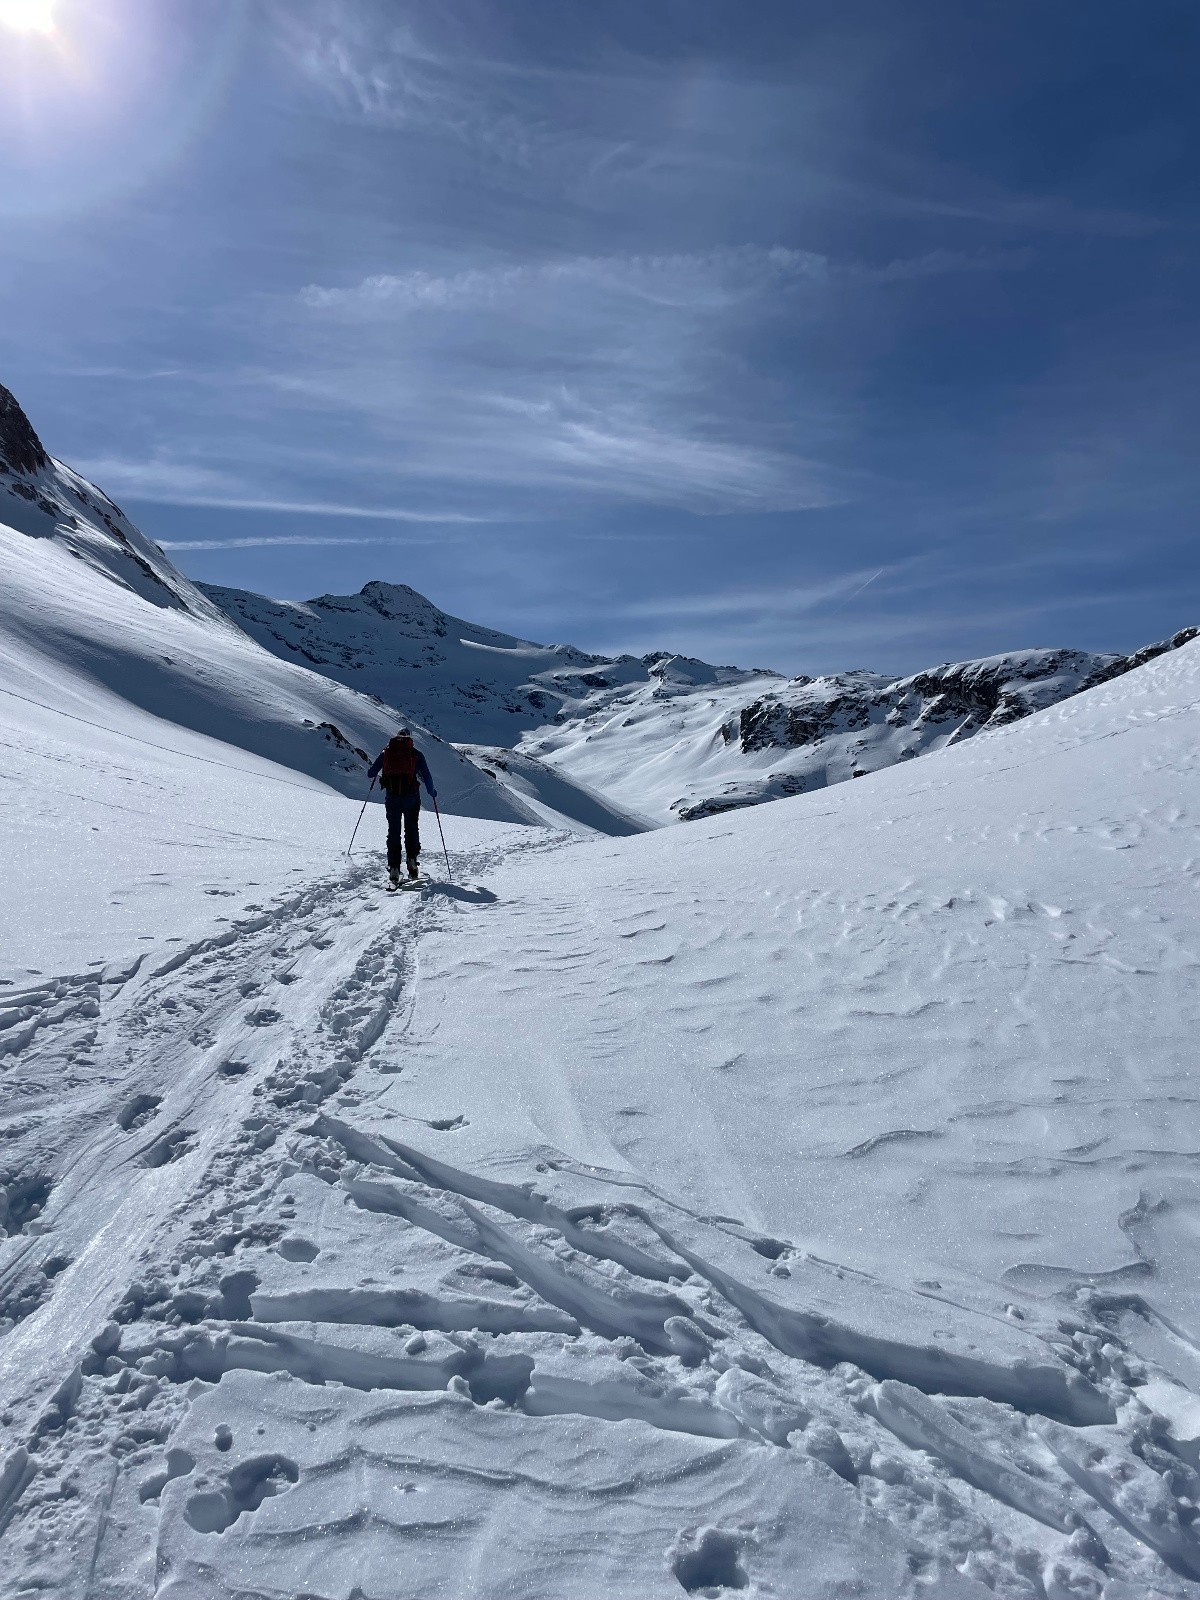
473	684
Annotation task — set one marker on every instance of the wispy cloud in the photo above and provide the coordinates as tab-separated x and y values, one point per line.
785	600
154	478
701	280
613	377
706	279
178	483
318	508
375	69
314	541
373	66
549	444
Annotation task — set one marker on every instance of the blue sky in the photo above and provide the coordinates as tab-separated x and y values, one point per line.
807	335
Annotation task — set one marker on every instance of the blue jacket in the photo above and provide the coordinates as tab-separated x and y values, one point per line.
423	773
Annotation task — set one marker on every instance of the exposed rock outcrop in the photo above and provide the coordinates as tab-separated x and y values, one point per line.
21	451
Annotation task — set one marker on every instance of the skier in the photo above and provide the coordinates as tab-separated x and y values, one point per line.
398	768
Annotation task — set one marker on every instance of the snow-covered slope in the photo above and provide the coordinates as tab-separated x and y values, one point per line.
96	623
661	737
551	795
802	1202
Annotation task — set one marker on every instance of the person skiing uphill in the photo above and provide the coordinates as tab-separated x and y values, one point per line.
401	769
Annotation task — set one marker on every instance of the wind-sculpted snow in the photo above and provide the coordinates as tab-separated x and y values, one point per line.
800	1203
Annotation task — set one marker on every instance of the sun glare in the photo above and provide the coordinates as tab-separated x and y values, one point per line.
27	16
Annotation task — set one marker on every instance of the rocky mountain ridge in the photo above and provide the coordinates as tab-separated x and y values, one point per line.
824	730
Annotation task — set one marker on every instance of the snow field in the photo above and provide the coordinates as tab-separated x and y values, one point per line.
127	832
798	1203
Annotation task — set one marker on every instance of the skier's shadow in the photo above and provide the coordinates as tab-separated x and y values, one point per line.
472	897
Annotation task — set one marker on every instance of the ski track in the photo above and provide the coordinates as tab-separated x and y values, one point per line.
166	1256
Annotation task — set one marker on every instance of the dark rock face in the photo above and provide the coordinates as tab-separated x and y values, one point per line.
21	450
770	723
990	695
973	695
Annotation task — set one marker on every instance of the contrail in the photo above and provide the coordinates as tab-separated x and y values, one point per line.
854	592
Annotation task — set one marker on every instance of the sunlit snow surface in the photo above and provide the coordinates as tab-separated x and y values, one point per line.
802	1201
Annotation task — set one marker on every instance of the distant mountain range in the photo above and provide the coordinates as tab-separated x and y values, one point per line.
660	737
554	733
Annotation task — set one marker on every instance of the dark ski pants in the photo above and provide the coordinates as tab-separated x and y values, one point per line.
404	830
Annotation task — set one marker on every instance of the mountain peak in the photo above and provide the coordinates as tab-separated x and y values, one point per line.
21	450
379	589
398	602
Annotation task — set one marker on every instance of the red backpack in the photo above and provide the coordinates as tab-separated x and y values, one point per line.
400	763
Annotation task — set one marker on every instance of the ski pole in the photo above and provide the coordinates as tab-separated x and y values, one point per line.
361	814
445	852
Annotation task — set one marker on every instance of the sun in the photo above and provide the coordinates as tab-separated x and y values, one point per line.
27	16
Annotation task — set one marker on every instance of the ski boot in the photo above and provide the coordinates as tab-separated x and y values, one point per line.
412	867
